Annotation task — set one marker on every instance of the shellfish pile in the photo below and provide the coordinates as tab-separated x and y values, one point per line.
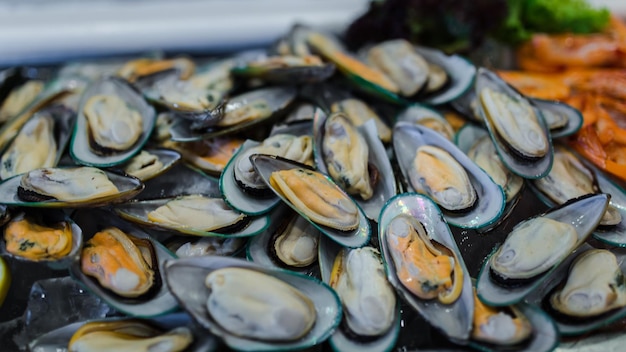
306	193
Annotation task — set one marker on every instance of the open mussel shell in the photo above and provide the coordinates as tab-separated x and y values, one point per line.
181	179
52	91
553	110
422	115
254	68
185	278
266	164
385	188
235	196
545	336
490	202
58	339
454	320
53	123
524	167
137	212
467	137
569	326
127	186
589	207
614	235
460	72
80	146
260	249
277	99
49	218
158	303
239	199
146	169
340	341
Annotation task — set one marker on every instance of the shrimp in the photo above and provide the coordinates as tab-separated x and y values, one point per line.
545	86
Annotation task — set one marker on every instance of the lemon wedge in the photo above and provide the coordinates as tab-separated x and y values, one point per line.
5	279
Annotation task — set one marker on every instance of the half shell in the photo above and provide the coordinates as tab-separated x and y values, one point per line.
490	201
453	319
68	187
182	278
590	207
117	137
524	147
159	300
295	191
177	210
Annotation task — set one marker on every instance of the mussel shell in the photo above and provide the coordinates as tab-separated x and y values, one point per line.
79	146
490	201
286	75
265	165
239	198
454	320
260	248
385	188
128	187
589	207
182	279
63	119
343	340
52	91
527	168
545	336
137	212
461	73
570	326
278	99
167	157
58	339
420	115
181	179
161	302
49	217
614	235
574	117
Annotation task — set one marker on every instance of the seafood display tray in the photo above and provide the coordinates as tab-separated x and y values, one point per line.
475	245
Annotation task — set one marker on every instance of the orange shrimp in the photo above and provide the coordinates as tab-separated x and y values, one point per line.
538	85
553	52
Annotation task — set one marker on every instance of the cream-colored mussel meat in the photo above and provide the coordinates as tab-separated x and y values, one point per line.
34	147
346	155
197	212
439	175
569	178
516	122
19	98
595	285
255	305
359	113
484	154
295	242
369	301
143	165
113	125
296	148
531	248
65	184
399	61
